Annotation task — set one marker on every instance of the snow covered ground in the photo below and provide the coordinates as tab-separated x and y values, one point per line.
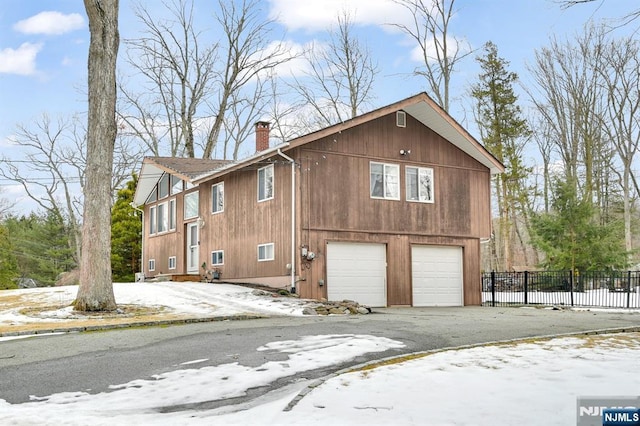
528	383
171	299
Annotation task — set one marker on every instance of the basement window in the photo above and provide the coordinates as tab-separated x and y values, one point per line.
172	262
152	264
265	252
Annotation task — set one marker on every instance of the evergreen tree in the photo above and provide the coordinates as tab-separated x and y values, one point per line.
504	133
41	246
8	262
572	239
126	234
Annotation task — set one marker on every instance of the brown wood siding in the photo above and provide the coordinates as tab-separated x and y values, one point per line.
399	274
245	223
336	191
162	246
335	203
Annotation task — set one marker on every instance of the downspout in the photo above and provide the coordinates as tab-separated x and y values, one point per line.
293	218
141	240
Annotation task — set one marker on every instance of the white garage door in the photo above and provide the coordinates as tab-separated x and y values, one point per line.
357	272
437	275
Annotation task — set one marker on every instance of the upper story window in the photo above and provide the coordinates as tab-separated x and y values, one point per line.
217	198
419	184
265	183
152	220
385	181
163	218
163	186
176	184
172	214
191	205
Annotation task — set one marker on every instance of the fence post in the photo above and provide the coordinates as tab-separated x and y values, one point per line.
571	284
628	289
526	287
493	288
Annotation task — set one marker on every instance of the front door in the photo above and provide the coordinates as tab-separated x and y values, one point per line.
193	246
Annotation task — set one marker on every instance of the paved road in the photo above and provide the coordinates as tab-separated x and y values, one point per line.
93	361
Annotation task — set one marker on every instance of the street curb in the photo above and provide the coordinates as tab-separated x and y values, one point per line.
80	329
413	355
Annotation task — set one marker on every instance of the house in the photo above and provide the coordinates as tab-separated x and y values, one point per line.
388	208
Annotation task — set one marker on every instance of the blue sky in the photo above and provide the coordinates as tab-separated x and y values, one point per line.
43	46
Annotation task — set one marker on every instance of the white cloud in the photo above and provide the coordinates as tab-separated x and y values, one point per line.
51	23
318	15
21	61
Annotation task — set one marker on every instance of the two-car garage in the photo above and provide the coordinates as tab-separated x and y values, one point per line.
358	271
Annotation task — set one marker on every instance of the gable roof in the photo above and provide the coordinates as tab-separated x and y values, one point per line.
428	112
420	106
185	168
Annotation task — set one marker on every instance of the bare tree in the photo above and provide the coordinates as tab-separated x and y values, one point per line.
247	53
339	84
627	18
570	101
52	170
96	288
620	72
440	52
177	71
191	89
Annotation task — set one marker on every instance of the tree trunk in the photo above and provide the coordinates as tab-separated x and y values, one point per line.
96	289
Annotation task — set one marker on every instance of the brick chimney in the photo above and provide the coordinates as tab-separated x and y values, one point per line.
262	135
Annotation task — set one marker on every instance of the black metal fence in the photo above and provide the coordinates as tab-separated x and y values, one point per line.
616	289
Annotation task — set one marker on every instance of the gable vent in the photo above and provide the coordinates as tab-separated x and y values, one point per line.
401	119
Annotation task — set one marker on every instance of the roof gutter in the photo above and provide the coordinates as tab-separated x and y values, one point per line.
293	218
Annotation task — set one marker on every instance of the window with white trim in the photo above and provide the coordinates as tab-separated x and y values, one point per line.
163	186
385	181
266	252
172	214
176	184
152	264
217	198
163	218
191	205
152	220
217	257
419	184
172	262
265	183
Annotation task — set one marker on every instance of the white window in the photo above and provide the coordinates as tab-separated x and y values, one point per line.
265	183
152	264
191	205
265	252
172	214
217	198
217	257
385	181
176	184
163	218
163	186
152	220
419	184
172	262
